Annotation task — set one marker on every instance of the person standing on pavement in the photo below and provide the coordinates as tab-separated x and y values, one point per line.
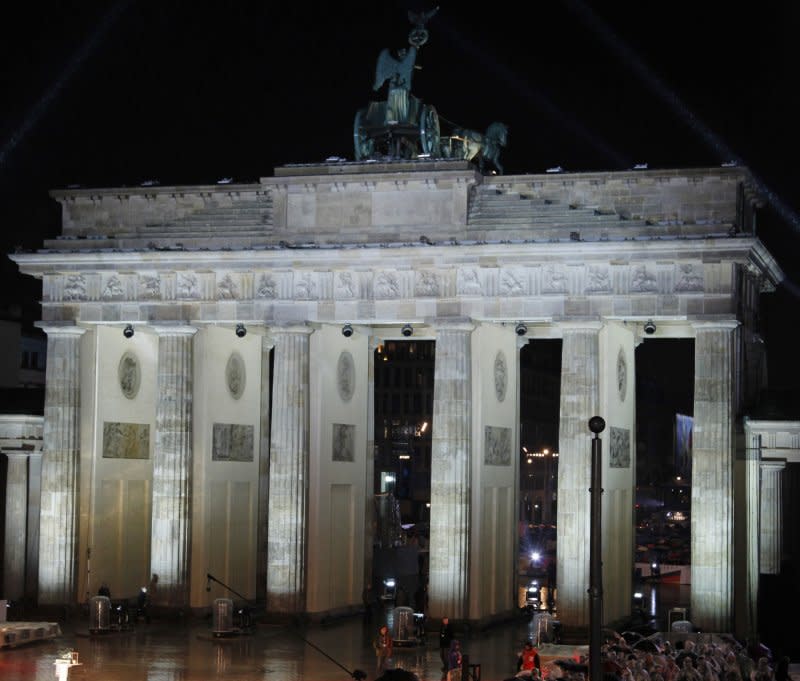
454	661
445	639
383	649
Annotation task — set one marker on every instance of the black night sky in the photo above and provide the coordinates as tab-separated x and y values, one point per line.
117	93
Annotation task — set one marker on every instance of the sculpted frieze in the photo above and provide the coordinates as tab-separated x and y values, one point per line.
129	375
305	286
232	442
346	376
497	446
468	281
149	287
690	278
188	286
227	288
554	280
426	283
513	281
266	286
74	287
112	289
387	285
500	376
343	445
235	375
620	450
598	280
345	286
643	281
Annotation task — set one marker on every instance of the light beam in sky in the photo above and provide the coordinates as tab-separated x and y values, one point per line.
40	108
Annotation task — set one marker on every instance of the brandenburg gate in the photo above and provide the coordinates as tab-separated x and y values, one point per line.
205	413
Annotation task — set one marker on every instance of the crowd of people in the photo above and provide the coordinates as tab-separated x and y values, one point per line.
684	661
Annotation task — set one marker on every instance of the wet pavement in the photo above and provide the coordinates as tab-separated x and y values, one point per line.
188	651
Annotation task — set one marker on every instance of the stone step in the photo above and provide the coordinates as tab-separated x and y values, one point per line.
544	219
172	229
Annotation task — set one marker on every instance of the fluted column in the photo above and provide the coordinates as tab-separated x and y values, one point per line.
288	472
771	516
33	522
712	477
263	471
748	597
58	529
16	531
580	399
451	449
172	467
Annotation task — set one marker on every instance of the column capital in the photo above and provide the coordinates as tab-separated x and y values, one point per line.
61	328
578	325
286	329
714	324
16	453
173	329
772	464
453	324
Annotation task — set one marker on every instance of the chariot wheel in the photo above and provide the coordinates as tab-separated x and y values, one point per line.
363	146
429	133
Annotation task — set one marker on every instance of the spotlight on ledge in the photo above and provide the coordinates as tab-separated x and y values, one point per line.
347	330
407	330
241	331
128	331
649	327
520	329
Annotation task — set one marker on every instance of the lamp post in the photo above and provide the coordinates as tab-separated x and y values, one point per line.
596	425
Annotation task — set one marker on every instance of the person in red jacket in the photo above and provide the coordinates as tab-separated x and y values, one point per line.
529	659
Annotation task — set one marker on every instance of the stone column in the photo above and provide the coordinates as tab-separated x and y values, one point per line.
263	471
712	477
34	512
172	467
451	449
580	400
369	460
58	529
14	556
771	516
288	472
746	603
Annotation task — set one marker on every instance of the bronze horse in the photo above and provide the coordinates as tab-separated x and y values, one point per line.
473	145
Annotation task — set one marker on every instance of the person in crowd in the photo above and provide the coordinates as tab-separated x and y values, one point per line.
446	636
383	649
454	661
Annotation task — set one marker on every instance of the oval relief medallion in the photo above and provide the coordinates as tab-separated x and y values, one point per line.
129	375
346	376
500	376
622	375
235	377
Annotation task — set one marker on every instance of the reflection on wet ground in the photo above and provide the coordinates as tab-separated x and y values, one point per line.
169	651
188	651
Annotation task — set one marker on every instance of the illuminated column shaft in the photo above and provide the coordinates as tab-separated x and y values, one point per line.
752	483
34	513
712	477
172	467
58	528
450	472
579	402
263	471
288	472
771	517
16	521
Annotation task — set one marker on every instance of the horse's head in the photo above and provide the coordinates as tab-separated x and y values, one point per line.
498	133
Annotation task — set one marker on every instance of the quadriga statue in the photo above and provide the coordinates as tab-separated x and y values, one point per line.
474	146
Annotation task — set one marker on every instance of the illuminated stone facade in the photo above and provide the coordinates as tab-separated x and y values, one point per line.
587	258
